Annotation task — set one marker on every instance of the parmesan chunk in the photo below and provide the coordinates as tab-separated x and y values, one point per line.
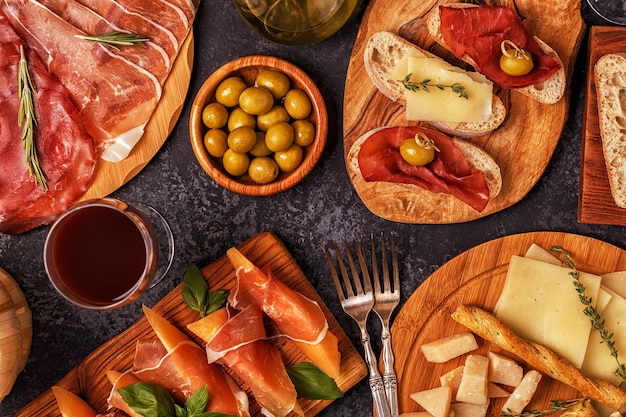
473	386
469	410
452	379
496	391
449	347
523	393
503	370
436	400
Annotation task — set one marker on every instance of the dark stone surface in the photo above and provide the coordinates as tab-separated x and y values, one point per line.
207	220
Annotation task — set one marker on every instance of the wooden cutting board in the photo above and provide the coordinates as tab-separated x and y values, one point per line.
109	176
89	380
477	277
522	146
595	202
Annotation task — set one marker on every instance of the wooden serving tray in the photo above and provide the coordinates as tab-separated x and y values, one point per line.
109	176
522	146
89	379
595	201
477	277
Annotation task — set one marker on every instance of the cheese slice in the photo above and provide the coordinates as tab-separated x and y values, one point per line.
615	281
539	302
598	361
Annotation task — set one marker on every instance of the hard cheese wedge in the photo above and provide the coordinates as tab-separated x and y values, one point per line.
539	302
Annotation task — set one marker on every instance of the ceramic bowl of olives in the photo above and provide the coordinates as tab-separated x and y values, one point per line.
258	125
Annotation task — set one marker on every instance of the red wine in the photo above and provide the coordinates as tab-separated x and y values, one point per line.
98	254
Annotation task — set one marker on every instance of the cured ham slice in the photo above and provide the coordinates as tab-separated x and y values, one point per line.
450	172
120	380
185	370
115	97
478	32
68	165
149	56
240	345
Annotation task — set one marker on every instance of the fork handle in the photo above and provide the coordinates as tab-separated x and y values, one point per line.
389	375
376	381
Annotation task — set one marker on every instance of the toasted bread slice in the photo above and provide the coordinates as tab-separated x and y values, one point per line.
548	92
383	52
476	156
610	79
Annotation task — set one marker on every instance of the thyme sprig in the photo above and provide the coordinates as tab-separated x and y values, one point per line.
424	85
27	120
597	323
113	39
555	405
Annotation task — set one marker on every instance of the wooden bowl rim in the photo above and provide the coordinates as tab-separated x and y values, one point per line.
313	152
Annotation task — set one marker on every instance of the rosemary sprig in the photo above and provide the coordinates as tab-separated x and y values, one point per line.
26	118
555	405
456	88
113	39
597	322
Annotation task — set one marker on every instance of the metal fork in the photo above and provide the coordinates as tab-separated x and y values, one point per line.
386	299
357	304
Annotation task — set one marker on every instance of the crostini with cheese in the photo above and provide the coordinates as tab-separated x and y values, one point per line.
455	101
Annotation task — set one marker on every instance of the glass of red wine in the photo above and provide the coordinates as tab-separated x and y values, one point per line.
104	253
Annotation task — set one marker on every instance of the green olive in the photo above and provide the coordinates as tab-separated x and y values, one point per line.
256	100
229	90
242	139
263	170
515	61
416	154
235	163
304	132
260	147
297	103
289	159
279	136
215	142
275	81
239	118
214	115
276	114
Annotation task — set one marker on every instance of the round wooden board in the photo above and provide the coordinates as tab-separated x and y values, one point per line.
522	146
109	176
477	277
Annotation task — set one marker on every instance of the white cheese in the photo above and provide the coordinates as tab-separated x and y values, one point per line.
473	386
448	347
503	370
538	253
523	393
539	302
615	281
436	400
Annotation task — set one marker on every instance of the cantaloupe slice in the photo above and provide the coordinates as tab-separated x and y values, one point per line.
167	333
71	405
121	379
206	327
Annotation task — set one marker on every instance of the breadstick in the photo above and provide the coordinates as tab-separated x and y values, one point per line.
487	326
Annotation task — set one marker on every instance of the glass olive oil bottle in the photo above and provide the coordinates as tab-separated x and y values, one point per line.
296	22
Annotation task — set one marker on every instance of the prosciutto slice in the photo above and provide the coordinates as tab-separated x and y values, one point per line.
296	316
240	345
478	32
450	172
66	152
115	97
185	370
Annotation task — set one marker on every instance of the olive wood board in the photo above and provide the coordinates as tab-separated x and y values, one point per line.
109	176
595	201
477	277
522	146
89	380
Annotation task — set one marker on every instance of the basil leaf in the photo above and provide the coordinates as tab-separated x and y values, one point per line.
310	382
180	411
217	299
148	400
196	403
195	290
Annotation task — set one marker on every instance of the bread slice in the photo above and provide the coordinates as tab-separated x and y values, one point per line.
548	92
610	79
383	52
475	155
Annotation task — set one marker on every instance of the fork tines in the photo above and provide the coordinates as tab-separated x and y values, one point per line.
360	283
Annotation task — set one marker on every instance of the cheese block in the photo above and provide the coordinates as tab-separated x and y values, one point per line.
473	387
598	361
539	302
443	104
523	393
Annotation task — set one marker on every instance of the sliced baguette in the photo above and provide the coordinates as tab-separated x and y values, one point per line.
383	52
476	156
548	92
610	80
